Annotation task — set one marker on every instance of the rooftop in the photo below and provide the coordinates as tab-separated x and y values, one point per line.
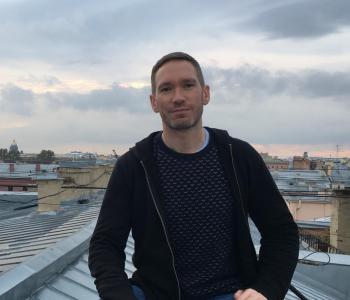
11	201
44	256
26	234
61	272
28	170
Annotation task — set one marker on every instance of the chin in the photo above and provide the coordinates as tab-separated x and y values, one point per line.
182	125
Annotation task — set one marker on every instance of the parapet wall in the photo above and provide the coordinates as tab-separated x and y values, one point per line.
73	183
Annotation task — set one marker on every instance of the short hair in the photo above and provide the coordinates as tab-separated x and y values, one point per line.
176	56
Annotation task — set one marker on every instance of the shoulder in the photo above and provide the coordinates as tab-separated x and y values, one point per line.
242	146
239	147
137	152
126	161
143	150
128	156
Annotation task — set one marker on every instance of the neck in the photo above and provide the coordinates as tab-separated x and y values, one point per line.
184	141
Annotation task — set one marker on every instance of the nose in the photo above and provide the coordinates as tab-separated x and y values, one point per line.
179	97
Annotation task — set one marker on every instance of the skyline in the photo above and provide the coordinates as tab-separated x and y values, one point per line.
75	76
283	152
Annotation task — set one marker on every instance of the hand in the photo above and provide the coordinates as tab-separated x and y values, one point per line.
248	294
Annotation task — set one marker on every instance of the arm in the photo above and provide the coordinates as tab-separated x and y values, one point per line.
279	233
106	251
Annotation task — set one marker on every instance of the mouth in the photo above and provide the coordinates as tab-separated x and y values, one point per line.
180	113
180	110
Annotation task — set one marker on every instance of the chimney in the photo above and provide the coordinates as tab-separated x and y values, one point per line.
50	194
37	168
340	220
11	167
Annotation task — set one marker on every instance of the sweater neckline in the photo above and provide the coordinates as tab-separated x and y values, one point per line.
204	148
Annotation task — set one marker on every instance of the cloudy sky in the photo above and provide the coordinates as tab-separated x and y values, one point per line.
74	75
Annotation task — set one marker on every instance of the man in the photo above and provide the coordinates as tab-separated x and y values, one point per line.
186	193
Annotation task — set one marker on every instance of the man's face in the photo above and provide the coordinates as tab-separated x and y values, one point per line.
179	97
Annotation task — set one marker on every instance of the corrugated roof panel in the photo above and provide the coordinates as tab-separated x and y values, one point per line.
308	292
49	293
77	276
73	288
301	180
11	200
80	277
75	282
82	266
25	236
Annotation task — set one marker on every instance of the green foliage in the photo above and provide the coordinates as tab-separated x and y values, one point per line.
46	156
3	153
13	156
9	156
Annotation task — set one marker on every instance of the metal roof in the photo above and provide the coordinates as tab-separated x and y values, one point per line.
341	173
75	282
37	264
29	170
301	180
308	292
24	236
9	201
324	222
62	273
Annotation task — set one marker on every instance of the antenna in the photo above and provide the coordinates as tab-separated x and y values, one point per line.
338	147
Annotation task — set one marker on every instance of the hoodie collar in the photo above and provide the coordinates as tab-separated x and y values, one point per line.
143	150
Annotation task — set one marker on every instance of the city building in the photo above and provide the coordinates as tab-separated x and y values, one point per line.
301	162
275	163
23	177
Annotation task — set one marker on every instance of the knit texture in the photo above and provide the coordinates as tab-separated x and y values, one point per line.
199	210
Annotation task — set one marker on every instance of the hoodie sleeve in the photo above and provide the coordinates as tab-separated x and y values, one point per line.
279	233
106	251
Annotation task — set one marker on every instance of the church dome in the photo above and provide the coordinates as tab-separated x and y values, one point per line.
13	147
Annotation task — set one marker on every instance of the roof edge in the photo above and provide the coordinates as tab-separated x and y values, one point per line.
21	281
320	257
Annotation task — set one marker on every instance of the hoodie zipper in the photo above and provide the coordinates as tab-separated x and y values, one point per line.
163	224
239	188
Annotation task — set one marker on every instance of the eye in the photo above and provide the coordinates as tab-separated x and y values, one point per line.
189	85
165	89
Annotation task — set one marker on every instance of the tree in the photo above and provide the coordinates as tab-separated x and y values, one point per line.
13	155
46	156
3	153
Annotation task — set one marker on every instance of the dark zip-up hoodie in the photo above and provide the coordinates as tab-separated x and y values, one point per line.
132	201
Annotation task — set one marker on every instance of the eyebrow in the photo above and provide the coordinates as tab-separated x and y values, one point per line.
187	80
163	84
190	80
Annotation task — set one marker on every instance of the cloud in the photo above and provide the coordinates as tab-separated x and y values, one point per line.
253	103
281	120
66	130
272	107
86	32
301	19
254	83
85	46
14	99
247	83
45	80
114	98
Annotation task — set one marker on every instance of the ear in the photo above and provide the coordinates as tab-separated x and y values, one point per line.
153	102
206	94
